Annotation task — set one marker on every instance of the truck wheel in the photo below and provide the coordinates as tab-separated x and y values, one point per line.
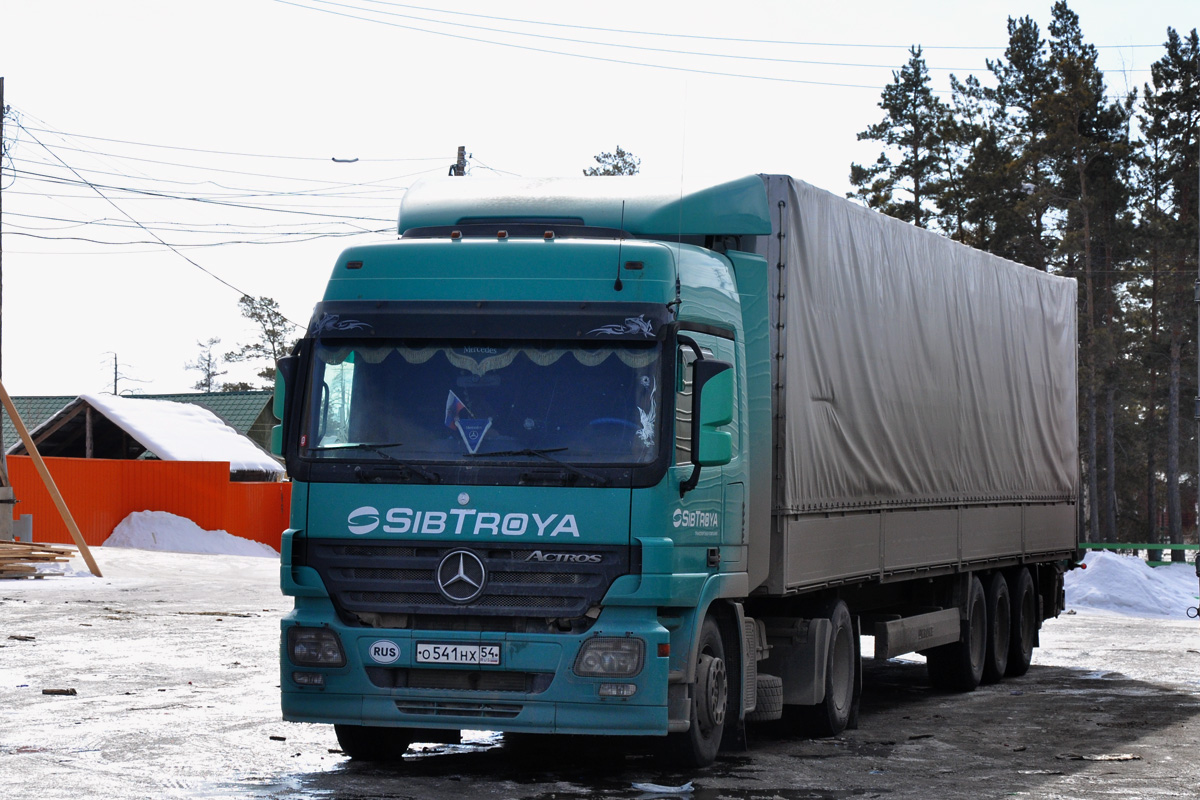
1024	625
832	715
999	628
697	747
370	743
959	666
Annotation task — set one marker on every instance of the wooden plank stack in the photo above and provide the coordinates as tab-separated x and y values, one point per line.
20	560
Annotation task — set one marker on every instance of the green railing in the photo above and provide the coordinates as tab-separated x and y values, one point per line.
1138	547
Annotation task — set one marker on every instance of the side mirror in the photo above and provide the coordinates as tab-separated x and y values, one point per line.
285	373
712	408
713	448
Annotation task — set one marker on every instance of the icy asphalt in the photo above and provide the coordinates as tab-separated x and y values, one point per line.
173	662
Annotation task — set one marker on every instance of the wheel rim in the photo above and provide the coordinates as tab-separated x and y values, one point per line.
713	691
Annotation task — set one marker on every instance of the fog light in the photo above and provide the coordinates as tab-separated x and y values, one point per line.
617	689
604	656
315	647
308	678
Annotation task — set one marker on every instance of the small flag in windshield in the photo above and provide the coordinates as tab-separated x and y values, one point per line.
454	407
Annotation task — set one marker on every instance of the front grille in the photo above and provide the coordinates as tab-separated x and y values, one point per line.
372	577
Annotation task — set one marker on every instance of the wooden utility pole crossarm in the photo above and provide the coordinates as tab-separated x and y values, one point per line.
55	495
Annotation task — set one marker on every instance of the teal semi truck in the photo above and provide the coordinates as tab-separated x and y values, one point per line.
608	456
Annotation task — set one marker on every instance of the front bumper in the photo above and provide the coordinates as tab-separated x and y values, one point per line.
534	688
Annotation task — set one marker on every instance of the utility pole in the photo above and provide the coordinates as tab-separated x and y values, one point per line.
3	113
459	168
6	493
1194	611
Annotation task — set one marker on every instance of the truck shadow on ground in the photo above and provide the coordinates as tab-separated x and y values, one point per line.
1019	734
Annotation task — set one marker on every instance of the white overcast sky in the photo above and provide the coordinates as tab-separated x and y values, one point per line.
241	105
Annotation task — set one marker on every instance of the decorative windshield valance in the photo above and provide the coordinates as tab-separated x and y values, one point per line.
481	360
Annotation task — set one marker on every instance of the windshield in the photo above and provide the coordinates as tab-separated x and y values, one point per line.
457	401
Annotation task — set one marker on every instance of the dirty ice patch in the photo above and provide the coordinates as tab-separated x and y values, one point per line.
1126	585
160	530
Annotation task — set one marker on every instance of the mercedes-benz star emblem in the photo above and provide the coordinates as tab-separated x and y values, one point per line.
461	576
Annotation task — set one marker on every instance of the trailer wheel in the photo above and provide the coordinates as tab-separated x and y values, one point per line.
832	715
1024	625
371	743
999	628
697	747
959	666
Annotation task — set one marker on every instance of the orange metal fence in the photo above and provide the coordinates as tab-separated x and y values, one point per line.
102	492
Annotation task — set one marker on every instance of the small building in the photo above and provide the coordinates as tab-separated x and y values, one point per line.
248	413
140	427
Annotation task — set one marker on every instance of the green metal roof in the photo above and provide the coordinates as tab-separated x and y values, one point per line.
33	412
240	410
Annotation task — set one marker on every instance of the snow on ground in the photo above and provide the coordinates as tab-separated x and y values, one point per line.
159	530
1126	585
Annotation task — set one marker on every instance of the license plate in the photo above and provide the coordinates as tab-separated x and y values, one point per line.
485	654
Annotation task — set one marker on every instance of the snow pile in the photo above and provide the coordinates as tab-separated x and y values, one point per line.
1126	585
159	530
184	432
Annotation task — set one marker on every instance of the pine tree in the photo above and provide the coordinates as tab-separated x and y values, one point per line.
618	163
913	130
208	365
1022	79
1171	129
274	337
1085	145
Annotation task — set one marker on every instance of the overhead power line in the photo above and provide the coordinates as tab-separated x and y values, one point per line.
698	37
157	238
226	152
96	187
617	45
603	59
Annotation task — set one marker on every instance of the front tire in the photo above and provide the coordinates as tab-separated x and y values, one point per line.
370	743
698	746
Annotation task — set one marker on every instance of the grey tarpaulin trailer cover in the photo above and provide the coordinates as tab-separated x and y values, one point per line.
924	398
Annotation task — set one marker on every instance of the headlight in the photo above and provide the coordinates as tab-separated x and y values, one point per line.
603	657
315	647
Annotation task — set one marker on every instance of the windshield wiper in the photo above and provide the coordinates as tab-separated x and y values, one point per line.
545	453
378	447
375	447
